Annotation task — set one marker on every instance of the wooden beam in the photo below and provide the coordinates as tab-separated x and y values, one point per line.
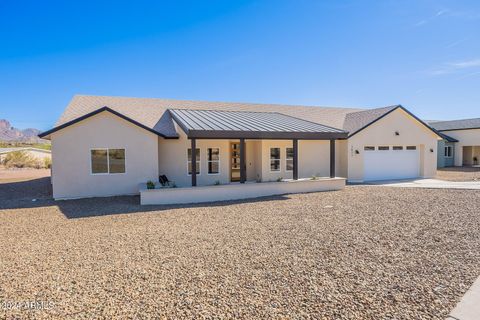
194	162
243	166
332	158
295	159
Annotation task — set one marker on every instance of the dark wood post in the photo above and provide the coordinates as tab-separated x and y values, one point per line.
295	159
194	161
243	166
332	158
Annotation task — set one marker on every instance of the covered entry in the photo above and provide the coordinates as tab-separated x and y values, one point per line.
390	163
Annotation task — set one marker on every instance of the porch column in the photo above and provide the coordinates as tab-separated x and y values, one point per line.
295	159
243	167
194	161
332	158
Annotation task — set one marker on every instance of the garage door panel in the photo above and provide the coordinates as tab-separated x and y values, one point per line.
391	164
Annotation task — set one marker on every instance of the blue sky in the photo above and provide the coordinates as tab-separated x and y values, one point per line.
422	54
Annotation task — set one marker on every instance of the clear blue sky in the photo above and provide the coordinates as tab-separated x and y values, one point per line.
422	54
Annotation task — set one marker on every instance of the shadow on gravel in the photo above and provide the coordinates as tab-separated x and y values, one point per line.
26	194
94	207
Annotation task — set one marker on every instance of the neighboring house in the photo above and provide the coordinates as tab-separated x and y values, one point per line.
461	142
36	153
105	146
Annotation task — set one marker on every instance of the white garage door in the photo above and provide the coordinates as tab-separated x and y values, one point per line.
391	164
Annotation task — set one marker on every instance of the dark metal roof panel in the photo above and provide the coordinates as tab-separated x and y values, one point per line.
248	123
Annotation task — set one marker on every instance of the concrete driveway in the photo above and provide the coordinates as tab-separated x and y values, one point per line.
428	183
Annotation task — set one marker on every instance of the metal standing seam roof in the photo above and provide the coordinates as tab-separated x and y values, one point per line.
249	124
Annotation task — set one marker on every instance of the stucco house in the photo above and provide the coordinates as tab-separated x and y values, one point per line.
460	145
103	146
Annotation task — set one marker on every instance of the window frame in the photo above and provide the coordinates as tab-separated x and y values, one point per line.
199	165
279	159
108	161
369	148
208	161
397	148
411	148
383	148
287	159
448	154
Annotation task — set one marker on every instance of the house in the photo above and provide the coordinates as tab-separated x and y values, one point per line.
105	146
460	145
35	153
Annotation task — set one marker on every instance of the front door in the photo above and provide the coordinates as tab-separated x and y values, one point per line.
234	161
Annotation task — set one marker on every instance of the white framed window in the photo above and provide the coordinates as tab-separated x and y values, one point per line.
397	148
369	148
213	160
274	159
107	161
448	152
411	147
383	148
289	159
189	161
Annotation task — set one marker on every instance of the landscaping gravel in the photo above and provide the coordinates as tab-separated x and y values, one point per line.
361	253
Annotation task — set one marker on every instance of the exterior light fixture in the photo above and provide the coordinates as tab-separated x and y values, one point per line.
357	152
431	150
397	133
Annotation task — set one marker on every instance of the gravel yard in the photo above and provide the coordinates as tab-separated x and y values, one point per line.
459	174
361	253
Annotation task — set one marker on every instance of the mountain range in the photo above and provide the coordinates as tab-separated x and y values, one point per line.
11	134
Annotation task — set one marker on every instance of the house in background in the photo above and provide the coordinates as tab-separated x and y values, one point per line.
104	146
460	145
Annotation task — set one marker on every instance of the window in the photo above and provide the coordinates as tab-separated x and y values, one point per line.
368	148
189	156
213	160
289	160
383	148
107	161
274	159
397	148
448	151
411	148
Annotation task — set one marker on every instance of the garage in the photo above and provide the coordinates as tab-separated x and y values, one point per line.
391	162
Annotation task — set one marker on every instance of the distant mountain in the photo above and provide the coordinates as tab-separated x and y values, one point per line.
11	134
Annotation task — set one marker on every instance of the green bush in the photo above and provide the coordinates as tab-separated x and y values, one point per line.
150	184
20	159
47	163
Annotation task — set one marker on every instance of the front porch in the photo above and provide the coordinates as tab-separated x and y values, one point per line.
236	191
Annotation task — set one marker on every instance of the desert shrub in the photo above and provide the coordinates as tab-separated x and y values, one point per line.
150	184
20	159
47	163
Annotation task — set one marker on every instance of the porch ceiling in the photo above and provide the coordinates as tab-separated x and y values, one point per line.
214	124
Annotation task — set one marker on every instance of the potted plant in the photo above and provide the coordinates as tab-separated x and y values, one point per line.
150	184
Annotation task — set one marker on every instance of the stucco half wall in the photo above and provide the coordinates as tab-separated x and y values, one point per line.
71	172
411	132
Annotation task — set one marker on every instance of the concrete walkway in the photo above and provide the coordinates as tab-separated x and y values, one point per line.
469	306
429	184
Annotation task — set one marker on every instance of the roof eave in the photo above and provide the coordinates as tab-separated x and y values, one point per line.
226	134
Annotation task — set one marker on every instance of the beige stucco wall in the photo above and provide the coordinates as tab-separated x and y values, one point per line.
465	138
71	174
382	132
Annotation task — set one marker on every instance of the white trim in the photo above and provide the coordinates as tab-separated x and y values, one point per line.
279	160
286	159
219	166
199	167
108	161
451	152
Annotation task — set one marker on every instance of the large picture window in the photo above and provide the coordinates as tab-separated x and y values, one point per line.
274	159
213	160
289	160
189	156
107	161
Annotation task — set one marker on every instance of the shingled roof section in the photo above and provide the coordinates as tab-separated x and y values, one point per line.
356	121
148	111
463	124
248	124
